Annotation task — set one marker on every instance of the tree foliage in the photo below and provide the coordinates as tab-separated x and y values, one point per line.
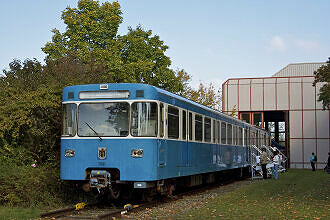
89	51
30	106
322	75
206	94
92	37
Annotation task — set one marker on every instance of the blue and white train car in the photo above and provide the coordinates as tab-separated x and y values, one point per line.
138	135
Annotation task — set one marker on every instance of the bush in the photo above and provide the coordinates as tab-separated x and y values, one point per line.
28	186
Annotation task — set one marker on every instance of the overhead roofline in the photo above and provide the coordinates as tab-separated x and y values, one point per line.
266	77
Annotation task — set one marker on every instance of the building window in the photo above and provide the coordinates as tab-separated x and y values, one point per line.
173	122
246	117
207	129
257	119
198	128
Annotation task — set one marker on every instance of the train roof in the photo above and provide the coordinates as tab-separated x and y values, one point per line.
71	93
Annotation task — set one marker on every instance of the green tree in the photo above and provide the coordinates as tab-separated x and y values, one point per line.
206	94
30	106
92	37
322	75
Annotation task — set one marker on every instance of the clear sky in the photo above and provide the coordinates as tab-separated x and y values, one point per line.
213	40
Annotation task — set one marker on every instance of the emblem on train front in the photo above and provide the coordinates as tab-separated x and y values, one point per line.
102	152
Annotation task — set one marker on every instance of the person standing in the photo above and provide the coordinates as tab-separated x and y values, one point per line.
276	162
313	161
263	162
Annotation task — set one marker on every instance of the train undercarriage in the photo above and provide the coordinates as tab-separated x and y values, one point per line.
106	183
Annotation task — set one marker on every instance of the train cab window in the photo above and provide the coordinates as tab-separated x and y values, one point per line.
184	124
223	133
104	119
144	119
190	126
69	120
173	123
229	134
198	128
162	120
207	129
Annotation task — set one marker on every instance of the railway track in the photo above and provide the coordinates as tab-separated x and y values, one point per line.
94	211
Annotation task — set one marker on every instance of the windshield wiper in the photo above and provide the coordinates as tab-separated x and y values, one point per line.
93	131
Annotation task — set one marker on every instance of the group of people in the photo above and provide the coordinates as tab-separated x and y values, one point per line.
276	160
313	161
264	161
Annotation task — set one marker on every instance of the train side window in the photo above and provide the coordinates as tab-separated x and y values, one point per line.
184	124
218	132
245	137
234	135
215	131
69	120
198	128
229	134
173	122
190	126
223	133
162	115
240	136
207	129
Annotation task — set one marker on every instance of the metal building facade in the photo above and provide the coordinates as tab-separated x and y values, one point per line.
289	99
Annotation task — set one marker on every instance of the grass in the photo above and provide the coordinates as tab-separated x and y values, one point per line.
11	213
297	194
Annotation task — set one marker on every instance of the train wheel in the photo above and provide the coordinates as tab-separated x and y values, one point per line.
126	193
147	196
114	191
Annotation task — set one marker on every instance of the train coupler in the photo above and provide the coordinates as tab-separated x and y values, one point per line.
99	179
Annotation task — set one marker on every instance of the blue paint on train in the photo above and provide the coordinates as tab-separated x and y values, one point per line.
162	158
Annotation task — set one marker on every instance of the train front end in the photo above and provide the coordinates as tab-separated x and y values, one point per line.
108	137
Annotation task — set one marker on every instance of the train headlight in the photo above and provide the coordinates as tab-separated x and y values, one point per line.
137	153
69	153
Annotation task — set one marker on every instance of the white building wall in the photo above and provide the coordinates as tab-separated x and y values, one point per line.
308	123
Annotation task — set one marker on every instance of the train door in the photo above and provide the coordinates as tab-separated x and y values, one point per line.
215	141
162	135
189	137
185	147
218	135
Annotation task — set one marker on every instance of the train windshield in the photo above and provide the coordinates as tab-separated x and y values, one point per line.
69	120
103	119
144	119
